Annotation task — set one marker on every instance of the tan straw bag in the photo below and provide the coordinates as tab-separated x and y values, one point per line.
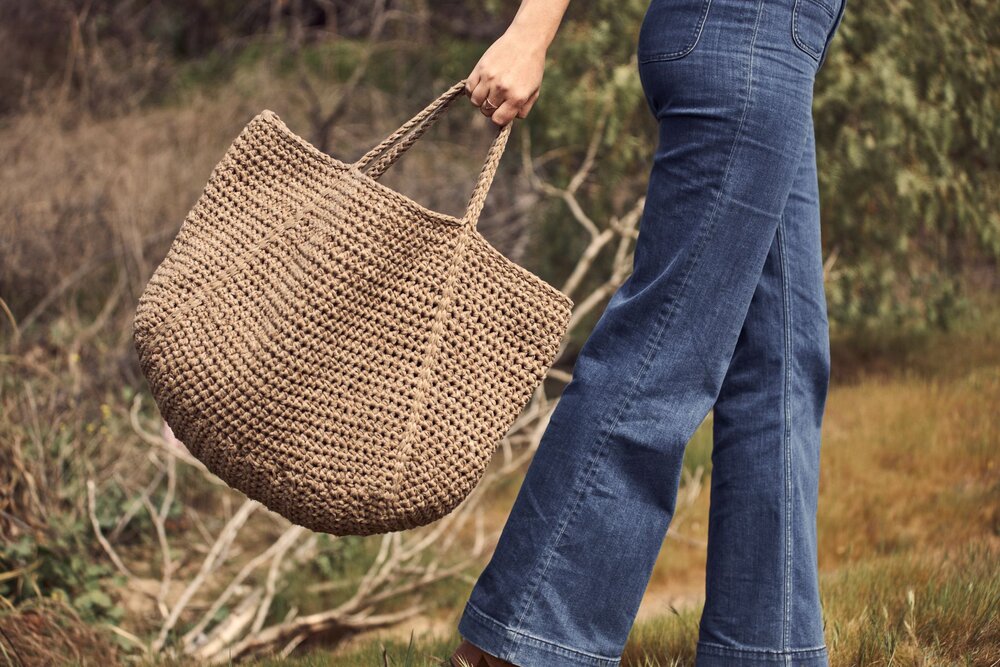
332	348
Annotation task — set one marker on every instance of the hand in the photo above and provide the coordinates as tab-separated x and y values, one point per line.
505	82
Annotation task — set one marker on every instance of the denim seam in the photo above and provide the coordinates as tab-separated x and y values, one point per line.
761	653
680	53
833	30
829	12
786	436
653	340
544	643
795	32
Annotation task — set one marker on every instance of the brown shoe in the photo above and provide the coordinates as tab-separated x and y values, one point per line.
475	657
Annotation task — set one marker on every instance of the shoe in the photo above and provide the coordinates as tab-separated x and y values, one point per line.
475	657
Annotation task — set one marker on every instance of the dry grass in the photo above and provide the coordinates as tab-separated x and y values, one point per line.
49	632
96	507
908	528
909	464
88	201
910	503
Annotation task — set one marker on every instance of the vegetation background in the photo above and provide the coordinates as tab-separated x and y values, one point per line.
115	547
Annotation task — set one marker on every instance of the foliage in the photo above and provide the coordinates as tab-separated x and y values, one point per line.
59	564
905	112
906	109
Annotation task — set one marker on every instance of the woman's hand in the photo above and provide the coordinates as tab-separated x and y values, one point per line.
505	82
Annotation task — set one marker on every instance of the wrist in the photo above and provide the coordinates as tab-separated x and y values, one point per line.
530	35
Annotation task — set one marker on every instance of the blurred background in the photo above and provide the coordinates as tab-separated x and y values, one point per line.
116	546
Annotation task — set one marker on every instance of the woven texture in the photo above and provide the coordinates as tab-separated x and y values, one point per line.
333	349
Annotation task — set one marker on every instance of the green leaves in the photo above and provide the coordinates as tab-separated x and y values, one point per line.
905	111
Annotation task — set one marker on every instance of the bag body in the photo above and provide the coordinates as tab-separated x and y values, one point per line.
333	349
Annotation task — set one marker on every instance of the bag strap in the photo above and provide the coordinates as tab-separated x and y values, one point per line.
377	160
385	154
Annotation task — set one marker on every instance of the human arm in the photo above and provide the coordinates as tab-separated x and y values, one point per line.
509	74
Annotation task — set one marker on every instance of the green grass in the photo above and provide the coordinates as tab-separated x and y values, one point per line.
917	608
424	652
912	609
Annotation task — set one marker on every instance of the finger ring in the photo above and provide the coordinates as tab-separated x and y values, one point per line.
491	107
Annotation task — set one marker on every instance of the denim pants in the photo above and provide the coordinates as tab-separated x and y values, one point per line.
724	310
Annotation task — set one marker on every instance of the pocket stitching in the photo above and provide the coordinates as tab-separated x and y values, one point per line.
674	55
829	12
795	28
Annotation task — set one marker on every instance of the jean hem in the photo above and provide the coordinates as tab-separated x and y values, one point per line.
521	648
715	655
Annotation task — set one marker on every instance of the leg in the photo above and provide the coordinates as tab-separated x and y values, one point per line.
762	590
574	558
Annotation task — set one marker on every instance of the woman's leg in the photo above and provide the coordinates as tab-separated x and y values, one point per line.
573	560
762	592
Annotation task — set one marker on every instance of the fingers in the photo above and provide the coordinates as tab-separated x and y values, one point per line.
526	107
491	103
480	93
506	113
496	101
515	105
472	81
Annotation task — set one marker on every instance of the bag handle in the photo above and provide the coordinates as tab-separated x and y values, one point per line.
411	130
385	154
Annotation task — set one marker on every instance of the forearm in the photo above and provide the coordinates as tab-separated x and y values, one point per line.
537	21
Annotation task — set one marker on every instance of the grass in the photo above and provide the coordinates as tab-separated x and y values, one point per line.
909	522
909	527
909	531
938	607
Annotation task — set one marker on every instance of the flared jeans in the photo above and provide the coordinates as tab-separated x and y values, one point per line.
724	310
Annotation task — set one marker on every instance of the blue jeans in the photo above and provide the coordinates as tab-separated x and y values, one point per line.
724	309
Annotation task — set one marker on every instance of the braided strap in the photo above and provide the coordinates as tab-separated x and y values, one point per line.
485	179
375	162
381	157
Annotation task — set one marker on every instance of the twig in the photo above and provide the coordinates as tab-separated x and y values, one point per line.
167	567
190	638
225	538
12	320
162	444
129	637
108	549
312	625
286	542
134	506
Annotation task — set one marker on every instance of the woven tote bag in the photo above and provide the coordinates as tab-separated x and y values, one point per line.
333	349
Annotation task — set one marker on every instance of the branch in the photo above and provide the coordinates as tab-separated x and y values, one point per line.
108	549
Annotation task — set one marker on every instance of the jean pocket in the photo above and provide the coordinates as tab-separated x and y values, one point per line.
812	21
671	28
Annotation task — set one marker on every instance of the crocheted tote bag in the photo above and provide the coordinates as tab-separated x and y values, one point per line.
333	349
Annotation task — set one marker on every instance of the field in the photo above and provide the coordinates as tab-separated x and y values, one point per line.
909	527
909	530
118	547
